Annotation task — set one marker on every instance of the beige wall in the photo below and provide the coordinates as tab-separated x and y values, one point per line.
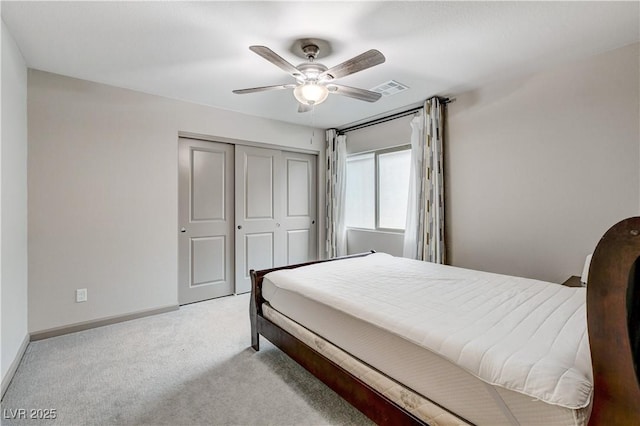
103	193
13	207
539	168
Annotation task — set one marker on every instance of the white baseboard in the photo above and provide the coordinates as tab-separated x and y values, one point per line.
6	380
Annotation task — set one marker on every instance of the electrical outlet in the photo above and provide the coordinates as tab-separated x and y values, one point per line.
81	295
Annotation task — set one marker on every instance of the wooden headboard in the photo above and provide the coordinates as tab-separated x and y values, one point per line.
613	320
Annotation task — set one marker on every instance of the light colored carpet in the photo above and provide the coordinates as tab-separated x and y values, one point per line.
194	366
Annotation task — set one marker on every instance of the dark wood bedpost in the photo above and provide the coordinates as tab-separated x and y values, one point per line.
254	305
613	319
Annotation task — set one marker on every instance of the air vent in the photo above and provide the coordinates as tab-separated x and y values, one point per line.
389	88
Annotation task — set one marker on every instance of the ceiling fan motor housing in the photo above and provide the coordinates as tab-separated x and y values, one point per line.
311	70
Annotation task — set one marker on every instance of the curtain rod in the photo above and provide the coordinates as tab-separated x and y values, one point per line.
387	118
380	120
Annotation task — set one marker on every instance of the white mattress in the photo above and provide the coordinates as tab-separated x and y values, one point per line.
491	337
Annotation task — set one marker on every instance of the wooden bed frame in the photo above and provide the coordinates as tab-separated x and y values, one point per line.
613	320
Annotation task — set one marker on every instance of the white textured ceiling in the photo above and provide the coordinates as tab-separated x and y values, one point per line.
198	51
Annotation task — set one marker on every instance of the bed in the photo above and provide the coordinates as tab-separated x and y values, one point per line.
410	342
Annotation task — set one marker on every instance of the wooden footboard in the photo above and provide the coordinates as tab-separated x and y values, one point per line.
613	319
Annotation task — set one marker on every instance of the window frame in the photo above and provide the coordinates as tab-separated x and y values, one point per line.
377	153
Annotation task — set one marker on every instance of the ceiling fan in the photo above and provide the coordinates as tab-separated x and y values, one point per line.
314	81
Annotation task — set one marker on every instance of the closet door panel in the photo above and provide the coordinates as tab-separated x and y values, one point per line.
259	191
205	215
299	207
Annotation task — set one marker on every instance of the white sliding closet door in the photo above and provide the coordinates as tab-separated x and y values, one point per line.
275	210
205	214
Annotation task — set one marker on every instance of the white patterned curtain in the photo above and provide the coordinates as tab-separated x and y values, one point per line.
424	233
412	241
336	243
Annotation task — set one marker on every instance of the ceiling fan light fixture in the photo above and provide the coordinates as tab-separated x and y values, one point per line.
314	81
311	93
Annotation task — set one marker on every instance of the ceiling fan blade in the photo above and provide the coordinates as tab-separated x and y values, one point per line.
354	92
275	59
263	89
304	108
361	62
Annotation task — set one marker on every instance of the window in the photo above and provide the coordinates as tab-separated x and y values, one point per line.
377	189
361	192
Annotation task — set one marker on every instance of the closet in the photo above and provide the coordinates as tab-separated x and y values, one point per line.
241	208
